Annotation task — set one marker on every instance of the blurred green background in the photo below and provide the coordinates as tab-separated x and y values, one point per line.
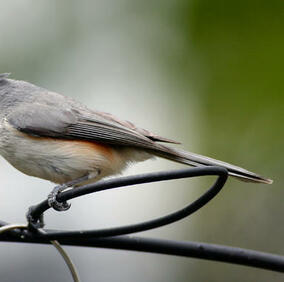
207	73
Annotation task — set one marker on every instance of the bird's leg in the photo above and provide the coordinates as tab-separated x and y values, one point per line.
52	201
63	206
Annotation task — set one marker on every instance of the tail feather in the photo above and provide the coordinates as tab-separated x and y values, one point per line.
192	159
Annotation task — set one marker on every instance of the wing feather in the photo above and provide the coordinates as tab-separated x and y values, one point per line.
49	121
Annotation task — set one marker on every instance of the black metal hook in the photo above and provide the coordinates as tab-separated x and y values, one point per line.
222	174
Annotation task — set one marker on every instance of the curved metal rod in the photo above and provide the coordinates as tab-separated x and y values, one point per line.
186	249
138	179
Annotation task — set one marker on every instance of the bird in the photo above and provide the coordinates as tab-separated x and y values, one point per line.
51	136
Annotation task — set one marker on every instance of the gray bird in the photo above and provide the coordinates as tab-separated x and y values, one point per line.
50	136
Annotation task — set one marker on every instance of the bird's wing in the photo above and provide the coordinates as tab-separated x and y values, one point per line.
40	120
111	118
50	121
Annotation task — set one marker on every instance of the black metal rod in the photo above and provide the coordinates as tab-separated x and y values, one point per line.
39	209
157	222
151	245
198	250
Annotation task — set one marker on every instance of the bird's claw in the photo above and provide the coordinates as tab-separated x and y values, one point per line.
35	223
52	201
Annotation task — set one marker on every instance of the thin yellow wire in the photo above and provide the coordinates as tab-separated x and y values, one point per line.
55	243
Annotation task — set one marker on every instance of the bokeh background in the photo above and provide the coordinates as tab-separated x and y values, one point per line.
207	73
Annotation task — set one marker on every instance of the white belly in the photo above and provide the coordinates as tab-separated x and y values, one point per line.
60	160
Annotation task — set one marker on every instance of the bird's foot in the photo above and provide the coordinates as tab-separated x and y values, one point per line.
64	206
52	201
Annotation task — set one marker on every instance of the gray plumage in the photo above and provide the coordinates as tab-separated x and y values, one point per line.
38	112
